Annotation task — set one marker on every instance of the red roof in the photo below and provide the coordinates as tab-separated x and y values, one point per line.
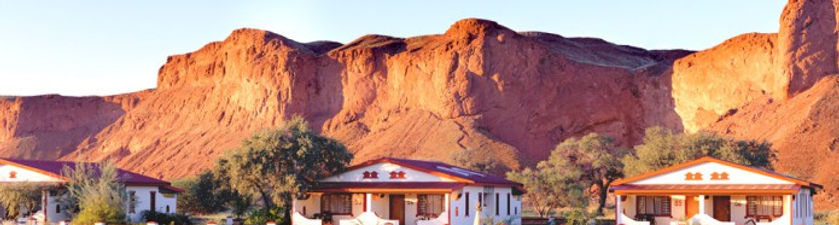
385	186
723	162
705	187
446	170
54	169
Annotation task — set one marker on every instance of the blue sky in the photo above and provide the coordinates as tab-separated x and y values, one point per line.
108	47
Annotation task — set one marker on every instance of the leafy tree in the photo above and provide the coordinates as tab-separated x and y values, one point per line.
96	191
597	157
476	160
203	194
13	196
277	165
553	184
663	148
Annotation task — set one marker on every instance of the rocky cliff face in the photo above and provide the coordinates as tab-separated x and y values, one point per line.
478	85
780	88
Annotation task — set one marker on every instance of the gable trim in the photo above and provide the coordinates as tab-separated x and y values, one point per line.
34	169
708	159
421	169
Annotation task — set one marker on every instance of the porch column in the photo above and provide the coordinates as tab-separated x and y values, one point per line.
446	202
45	206
618	211
702	204
368	202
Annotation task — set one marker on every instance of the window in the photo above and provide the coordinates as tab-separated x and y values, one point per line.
653	205
508	204
397	175
481	199
467	205
764	206
337	203
429	205
132	202
167	208
497	207
371	175
152	201
57	208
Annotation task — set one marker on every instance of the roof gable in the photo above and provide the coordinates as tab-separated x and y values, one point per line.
708	170
54	169
12	173
442	171
381	172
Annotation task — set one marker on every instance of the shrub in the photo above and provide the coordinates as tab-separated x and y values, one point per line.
827	217
12	196
261	216
578	216
202	195
96	191
166	218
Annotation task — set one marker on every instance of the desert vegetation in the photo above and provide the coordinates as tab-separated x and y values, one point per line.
95	192
580	170
258	180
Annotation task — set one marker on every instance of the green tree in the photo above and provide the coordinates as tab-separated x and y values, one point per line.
554	183
597	157
476	160
96	191
277	165
15	196
663	148
203	194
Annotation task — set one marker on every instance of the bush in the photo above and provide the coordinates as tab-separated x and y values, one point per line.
166	218
13	196
578	216
261	216
97	192
827	217
202	195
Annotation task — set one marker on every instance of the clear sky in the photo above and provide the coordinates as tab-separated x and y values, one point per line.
109	47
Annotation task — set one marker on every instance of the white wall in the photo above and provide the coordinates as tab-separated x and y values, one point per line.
735	176
23	175
802	207
381	205
384	169
458	210
143	201
738	209
312	205
52	216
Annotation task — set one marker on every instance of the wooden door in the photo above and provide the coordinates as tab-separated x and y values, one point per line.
397	208
722	208
691	206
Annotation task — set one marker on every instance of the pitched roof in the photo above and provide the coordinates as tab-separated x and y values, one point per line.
54	169
706	159
704	188
444	170
385	186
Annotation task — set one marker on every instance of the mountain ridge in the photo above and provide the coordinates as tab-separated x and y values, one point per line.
478	85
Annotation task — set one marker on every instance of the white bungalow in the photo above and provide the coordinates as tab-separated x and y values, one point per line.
148	193
713	191
391	191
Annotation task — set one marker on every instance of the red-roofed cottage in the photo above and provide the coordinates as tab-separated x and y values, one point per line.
400	191
713	191
148	193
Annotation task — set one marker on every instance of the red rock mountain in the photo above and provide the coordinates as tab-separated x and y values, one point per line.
479	85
